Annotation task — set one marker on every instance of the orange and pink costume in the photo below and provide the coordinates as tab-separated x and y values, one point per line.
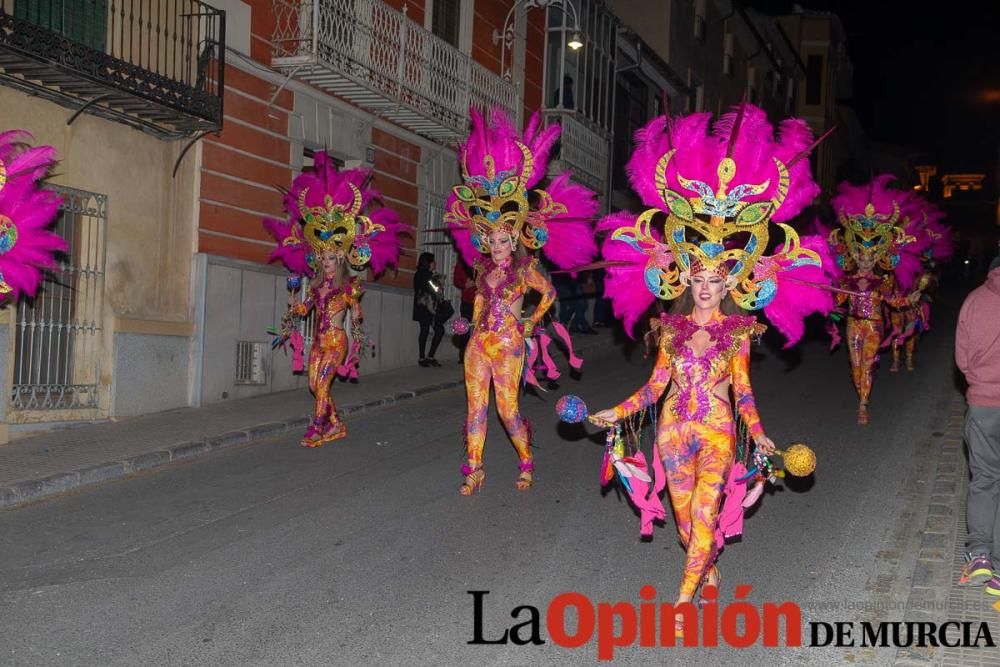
696	433
329	352
335	215
496	353
719	189
865	326
500	165
872	231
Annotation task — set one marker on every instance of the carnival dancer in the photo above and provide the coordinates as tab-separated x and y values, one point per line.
492	222
719	191
871	237
932	244
27	247
325	234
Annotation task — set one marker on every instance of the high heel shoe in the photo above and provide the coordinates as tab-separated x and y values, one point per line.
863	414
524	480
474	478
713	573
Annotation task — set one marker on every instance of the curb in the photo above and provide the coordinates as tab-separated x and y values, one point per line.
933	574
32	490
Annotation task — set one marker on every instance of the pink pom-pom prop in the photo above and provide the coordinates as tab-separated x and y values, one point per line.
460	326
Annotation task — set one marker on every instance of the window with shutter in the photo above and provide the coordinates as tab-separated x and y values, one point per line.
82	21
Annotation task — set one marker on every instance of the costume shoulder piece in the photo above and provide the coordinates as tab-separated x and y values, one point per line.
354	288
746	325
525	264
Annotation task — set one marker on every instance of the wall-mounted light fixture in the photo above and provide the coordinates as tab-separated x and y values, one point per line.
505	39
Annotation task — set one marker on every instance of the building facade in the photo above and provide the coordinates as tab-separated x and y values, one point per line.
170	161
177	121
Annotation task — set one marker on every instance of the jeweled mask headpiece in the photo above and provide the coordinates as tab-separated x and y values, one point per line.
332	210
871	224
501	167
725	228
338	227
498	201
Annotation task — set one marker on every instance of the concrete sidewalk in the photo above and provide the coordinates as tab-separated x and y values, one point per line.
934	596
63	460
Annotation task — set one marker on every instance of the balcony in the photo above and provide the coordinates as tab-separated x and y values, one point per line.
373	56
151	64
583	147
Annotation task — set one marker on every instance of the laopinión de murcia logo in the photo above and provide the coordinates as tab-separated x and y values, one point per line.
572	620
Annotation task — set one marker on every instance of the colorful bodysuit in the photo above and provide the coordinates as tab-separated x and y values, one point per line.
329	349
909	322
696	433
496	352
864	324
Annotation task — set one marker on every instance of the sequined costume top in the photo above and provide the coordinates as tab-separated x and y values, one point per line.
492	307
338	298
876	291
695	377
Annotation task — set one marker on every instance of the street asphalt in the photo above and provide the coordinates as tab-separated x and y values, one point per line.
362	552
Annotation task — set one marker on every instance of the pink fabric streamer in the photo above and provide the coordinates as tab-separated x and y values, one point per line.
529	364
574	361
649	504
298	351
349	369
834	331
730	521
538	347
551	371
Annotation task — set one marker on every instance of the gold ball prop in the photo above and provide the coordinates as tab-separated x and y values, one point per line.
800	461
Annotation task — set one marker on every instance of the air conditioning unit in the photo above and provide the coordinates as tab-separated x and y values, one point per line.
251	362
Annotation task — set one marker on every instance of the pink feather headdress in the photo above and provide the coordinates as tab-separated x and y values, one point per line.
720	188
931	239
499	169
332	210
873	219
27	247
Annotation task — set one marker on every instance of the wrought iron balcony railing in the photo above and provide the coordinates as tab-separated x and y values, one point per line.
372	55
583	147
156	65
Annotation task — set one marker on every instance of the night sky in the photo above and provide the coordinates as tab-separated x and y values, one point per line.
925	78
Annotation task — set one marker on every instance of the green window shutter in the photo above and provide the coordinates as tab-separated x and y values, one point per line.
83	21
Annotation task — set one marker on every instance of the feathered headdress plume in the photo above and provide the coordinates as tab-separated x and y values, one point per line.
500	169
27	247
720	188
333	210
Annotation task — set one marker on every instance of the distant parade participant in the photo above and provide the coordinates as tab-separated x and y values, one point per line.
867	245
331	226
932	244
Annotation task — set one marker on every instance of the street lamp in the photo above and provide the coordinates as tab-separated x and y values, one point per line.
507	36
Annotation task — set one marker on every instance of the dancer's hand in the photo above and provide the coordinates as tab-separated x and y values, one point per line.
914	297
604	418
765	444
